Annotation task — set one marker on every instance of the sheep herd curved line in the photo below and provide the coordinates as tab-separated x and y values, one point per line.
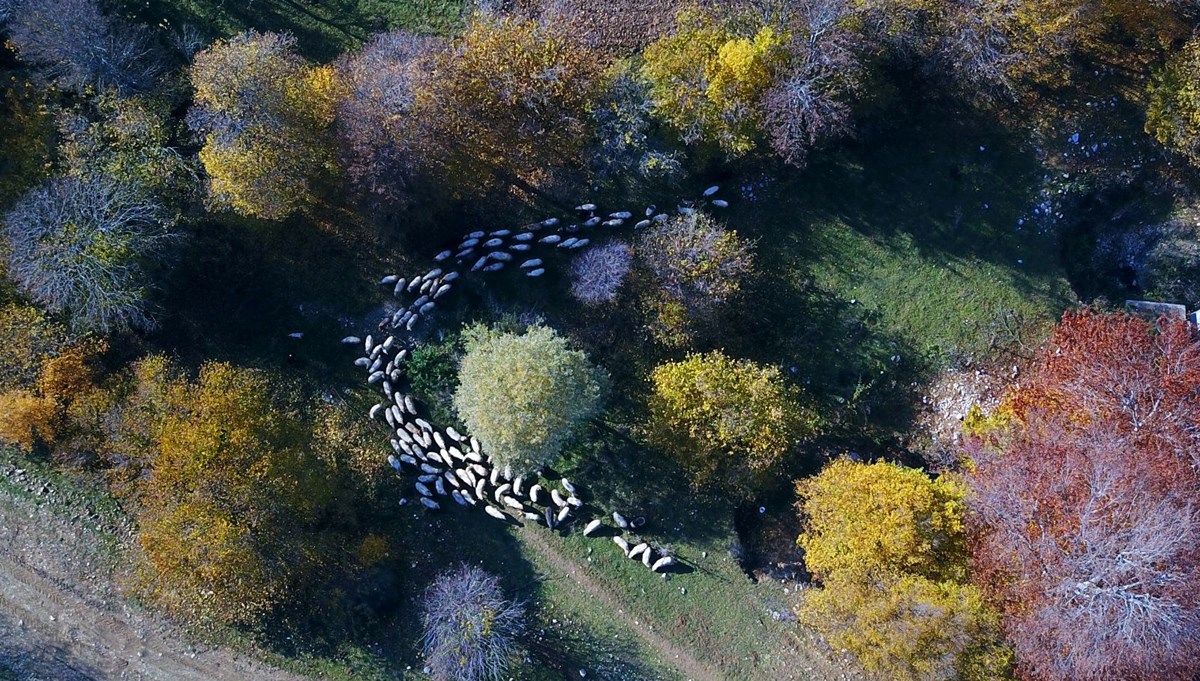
448	463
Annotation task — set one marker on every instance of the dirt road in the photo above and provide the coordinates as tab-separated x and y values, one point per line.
61	620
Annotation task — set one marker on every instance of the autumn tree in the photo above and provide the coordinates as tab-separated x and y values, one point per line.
726	421
1084	519
524	394
693	266
888	546
471	629
229	491
73	45
265	117
381	140
84	246
509	101
707	76
624	128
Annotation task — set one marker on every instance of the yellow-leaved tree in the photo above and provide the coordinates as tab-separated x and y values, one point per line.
888	545
265	115
707	76
229	490
726	421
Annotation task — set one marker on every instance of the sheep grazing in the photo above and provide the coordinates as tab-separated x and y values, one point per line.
465	475
456	453
430	504
636	551
592	527
494	512
647	557
512	503
408	459
427	287
458	498
414	284
507	473
494	476
410	405
711	190
494	267
454	434
516	485
441	443
567	485
613	223
532	262
474	456
493	243
423	425
574	502
479	264
464	253
362	362
501	232
427	478
642	225
476	235
479	489
441	291
394	462
450	276
557	499
377	365
432	274
532	517
592	222
451	479
502	256
568	242
427	307
549	518
501	491
401	285
420	301
523	236
440	487
620	521
534	493
562	514
412	322
624	545
720	203
351	340
520	248
586	208
436	456
549	222
388	280
622	215
388	416
661	217
423	489
650	210
580	244
686	210
467	496
550	239
469	243
375	377
443	255
368	343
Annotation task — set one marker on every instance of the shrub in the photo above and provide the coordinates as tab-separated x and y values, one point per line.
695	266
265	117
471	630
524	394
1173	112
27	339
726	420
27	419
597	273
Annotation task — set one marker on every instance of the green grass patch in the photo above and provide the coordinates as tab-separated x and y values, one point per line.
323	29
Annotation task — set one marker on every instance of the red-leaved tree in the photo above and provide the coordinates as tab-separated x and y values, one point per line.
1084	522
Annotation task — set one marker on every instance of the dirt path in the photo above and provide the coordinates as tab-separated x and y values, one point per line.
60	618
691	667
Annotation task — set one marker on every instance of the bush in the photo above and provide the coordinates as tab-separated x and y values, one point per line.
1173	112
598	273
82	247
27	419
726	420
694	266
27	339
265	116
524	394
471	630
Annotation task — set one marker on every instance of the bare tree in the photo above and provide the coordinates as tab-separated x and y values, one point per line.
81	246
598	273
975	51
471	630
73	45
1093	552
378	135
809	104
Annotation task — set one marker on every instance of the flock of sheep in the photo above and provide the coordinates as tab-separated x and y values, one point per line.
448	464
